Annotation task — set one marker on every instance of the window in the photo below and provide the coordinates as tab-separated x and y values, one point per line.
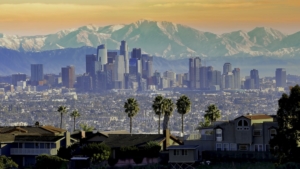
273	132
258	147
218	146
243	147
233	147
243	125
267	147
47	145
176	152
226	147
257	133
219	135
184	152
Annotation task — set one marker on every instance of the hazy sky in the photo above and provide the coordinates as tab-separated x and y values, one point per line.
32	17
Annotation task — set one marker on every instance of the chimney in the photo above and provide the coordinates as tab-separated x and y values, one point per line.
82	134
166	133
68	138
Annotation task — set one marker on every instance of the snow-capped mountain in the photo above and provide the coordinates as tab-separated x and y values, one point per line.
164	39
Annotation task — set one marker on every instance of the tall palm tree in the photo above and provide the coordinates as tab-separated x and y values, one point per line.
183	105
62	110
212	113
169	108
86	128
75	114
131	108
158	108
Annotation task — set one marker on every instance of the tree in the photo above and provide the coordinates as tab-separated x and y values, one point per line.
97	151
131	108
285	144
183	105
44	161
75	114
7	163
168	111
212	113
86	128
62	110
158	108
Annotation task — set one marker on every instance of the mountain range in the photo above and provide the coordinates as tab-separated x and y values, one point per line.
164	39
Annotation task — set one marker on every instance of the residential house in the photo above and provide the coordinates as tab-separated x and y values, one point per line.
24	143
247	136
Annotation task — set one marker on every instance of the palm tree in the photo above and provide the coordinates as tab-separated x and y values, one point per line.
212	113
62	110
183	105
131	108
169	108
86	128
75	114
158	108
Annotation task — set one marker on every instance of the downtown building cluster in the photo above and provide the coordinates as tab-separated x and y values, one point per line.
206	78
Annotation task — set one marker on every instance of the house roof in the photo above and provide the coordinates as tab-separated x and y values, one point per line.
38	130
122	140
37	138
183	147
256	117
7	138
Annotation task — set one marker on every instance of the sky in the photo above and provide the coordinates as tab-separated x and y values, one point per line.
34	17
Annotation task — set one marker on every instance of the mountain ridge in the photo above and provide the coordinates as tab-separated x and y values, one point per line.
165	39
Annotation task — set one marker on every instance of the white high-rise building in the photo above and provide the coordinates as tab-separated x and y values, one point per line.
119	68
102	55
124	52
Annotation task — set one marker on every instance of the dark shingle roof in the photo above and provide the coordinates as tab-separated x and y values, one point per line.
38	138
122	140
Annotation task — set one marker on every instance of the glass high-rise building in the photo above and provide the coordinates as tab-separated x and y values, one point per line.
280	76
226	68
68	76
124	52
255	76
37	73
236	78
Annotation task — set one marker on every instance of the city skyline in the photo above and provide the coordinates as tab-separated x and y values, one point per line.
215	16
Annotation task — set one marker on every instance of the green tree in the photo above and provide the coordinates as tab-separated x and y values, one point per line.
7	163
131	109
285	144
212	113
75	114
183	105
85	127
50	162
158	108
168	111
62	110
97	151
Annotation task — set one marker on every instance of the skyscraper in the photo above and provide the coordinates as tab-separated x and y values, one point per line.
255	76
124	52
194	72
203	77
136	53
229	81
119	69
68	76
191	73
237	78
90	64
102	55
226	68
280	77
37	73
18	77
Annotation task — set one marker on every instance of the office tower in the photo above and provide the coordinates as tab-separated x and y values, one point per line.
210	70
50	79
102	55
109	68
229	81
37	74
237	78
280	77
84	83
111	56
157	79
149	70
249	84
90	64
179	79
203	77
136	53
124	52
255	76
194	72
216	78
170	75
17	77
226	68
119	69
68	76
